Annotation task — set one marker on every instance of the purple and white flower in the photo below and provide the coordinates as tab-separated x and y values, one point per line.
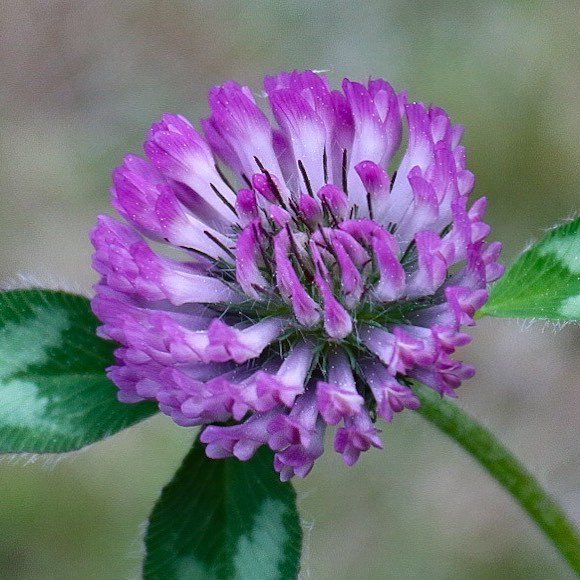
307	280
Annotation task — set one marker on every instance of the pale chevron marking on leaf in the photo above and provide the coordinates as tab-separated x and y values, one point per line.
268	530
22	345
566	249
27	343
571	307
13	412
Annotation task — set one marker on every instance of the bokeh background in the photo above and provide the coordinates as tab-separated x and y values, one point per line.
80	82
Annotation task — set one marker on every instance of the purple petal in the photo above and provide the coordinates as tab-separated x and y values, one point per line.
356	436
338	398
240	345
179	152
244	128
128	265
288	382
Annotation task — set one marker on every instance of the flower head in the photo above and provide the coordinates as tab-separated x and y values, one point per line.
312	285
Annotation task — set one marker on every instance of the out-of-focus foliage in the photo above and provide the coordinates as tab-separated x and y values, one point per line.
82	81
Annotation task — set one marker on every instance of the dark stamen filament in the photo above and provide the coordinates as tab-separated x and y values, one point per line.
224	178
344	172
272	184
200	253
327	207
445	230
370	205
329	246
407	252
296	217
259	289
219	244
305	177
307	273
267	262
223	199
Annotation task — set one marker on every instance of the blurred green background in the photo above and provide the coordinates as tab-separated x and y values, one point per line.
80	82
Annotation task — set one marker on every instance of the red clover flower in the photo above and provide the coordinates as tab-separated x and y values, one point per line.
316	280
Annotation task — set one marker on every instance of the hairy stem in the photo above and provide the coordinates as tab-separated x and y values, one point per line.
505	469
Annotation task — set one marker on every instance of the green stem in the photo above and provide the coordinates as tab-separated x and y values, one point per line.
506	469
